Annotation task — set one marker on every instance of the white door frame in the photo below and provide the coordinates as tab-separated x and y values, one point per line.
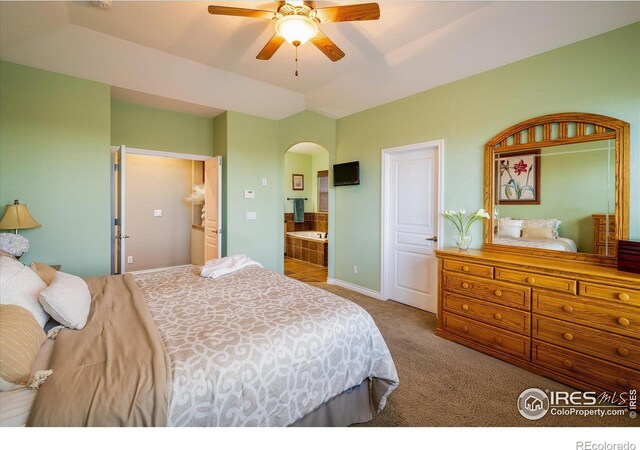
145	152
386	152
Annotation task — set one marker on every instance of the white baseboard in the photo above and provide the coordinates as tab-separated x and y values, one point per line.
355	288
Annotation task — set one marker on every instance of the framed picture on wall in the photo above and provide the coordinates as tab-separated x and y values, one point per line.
519	178
297	182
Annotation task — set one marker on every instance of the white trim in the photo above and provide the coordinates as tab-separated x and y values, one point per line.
161	154
439	149
157	270
355	288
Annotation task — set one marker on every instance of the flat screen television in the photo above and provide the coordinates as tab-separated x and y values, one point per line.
346	174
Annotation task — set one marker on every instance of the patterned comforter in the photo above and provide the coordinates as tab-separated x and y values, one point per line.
255	348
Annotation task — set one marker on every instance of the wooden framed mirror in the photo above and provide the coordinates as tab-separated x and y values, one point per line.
558	187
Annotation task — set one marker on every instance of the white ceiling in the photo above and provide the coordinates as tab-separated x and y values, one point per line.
175	55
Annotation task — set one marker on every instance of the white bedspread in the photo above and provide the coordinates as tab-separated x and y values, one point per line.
255	348
560	243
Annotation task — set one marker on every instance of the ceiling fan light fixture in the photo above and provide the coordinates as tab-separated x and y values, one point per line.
296	29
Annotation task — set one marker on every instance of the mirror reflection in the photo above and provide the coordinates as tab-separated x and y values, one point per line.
557	198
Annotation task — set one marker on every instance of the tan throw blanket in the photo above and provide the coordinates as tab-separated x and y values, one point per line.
114	372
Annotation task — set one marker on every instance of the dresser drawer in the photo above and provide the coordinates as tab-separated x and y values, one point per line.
610	293
471	269
609	346
594	313
585	368
488	336
499	316
490	290
537	280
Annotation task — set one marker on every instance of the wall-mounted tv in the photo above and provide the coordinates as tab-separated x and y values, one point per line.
346	174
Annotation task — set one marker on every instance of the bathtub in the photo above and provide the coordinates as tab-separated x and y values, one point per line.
307	246
311	235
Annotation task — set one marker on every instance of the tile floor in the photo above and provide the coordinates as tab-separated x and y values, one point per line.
304	271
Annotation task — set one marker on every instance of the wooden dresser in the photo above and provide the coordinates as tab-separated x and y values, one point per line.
600	234
576	323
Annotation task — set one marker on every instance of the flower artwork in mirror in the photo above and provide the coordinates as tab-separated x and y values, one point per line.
581	161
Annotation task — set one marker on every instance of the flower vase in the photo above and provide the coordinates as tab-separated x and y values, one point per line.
463	240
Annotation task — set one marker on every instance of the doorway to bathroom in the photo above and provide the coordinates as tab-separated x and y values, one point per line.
306	212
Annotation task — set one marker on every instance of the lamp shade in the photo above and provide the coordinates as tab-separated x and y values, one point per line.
17	217
296	29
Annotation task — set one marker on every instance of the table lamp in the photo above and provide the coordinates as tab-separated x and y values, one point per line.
17	217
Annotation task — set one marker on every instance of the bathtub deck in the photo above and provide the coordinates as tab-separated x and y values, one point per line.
303	271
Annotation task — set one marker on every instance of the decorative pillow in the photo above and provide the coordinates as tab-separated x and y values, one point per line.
553	224
20	340
538	233
509	227
45	272
68	300
19	285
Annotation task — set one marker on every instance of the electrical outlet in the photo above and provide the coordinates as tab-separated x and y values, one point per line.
355	270
264	181
157	213
251	216
129	259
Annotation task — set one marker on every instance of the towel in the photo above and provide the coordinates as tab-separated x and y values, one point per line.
223	266
298	210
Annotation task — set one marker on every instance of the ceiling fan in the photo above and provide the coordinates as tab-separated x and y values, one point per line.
297	23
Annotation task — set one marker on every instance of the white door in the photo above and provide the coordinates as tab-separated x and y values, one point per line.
410	193
212	207
119	234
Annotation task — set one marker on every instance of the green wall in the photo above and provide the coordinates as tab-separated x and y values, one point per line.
54	156
220	149
158	129
466	114
298	163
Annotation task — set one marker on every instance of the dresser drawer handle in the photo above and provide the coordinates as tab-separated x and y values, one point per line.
465	307
498	293
465	328
568	336
567	308
623	321
465	268
465	285
497	340
568	364
531	280
623	296
497	316
623	351
622	382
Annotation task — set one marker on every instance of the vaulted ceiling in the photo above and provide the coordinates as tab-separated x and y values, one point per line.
177	56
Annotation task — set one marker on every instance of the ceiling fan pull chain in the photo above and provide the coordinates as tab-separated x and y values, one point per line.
297	60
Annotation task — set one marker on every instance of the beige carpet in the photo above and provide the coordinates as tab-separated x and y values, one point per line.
446	384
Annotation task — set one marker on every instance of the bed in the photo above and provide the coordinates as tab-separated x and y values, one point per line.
559	243
252	348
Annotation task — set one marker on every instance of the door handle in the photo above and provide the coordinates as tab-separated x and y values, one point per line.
434	239
126	236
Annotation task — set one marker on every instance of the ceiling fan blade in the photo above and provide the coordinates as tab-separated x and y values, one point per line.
349	13
326	46
270	48
242	12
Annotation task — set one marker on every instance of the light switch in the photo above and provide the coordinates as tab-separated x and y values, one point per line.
249	193
129	259
157	213
251	216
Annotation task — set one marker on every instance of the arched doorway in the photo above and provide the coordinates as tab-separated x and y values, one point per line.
306	212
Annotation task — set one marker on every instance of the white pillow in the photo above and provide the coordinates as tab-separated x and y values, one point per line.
509	227
68	300
550	224
19	285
